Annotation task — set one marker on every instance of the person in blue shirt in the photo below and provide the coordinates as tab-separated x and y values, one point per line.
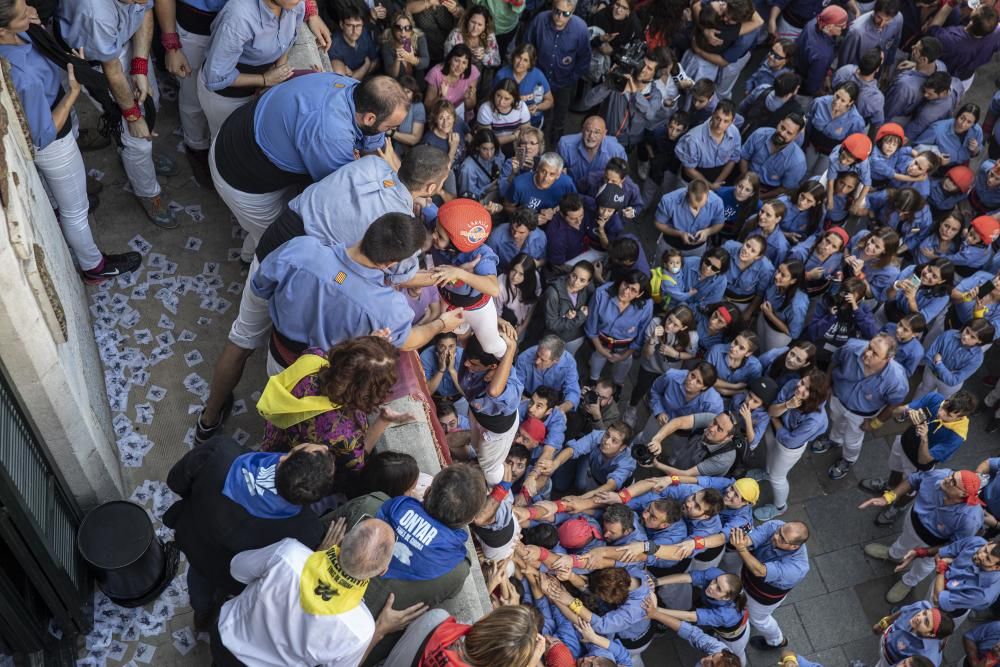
909	347
777	62
750	272
735	363
441	362
603	459
982	644
985	194
887	154
865	74
767	225
541	189
493	389
773	155
119	36
717	323
248	53
903	210
479	175
701	281
544	407
946	508
520	235
775	560
532	84
711	150
976	250
798	417
851	157
948	192
751	406
782	364
873	259
550	364
562	42
271	144
803	211
929	298
721	609
353	51
958	140
816	47
48	110
916	630
867	384
829	121
977	296
784	306
678	393
716	653
943	239
971	580
688	217
739	203
588	152
955	356
620	313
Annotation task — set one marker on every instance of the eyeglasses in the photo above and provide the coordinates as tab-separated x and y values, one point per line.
622	6
715	267
353	26
403	28
559	12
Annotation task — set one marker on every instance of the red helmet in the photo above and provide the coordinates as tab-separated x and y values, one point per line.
467	223
858	145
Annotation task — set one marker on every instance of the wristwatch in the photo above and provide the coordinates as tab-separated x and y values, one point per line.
651	548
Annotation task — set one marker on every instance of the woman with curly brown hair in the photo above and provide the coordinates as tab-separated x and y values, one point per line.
326	399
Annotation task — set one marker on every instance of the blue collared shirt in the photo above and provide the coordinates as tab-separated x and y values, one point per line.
698	149
674	211
964	309
796	221
929	303
798	427
949	522
555	428
899	641
307	126
709	290
942	200
989	197
502	242
476	177
741	517
991	492
786	168
862	169
101	28
909	354
577	161
447	386
474	385
958	362
619	468
883	166
966	585
785	569
667	397
863	36
911	231
563	55
942	134
321	297
866	395
751	280
247	32
562	375
714	613
628	621
906	92
792	313
803	252
815	52
697	638
749	370
985	636
38	84
607	319
820	119
758	416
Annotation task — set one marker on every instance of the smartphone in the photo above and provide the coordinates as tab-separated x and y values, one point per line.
915	280
519	154
985	289
407	43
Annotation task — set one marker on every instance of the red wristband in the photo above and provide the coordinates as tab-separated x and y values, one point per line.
543	554
941	567
498	493
921	552
625	495
311	9
133	113
699	543
560	507
533	512
171	41
577	563
139	66
525	494
675	480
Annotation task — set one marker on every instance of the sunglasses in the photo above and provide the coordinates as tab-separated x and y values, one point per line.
559	12
403	28
777	56
715	267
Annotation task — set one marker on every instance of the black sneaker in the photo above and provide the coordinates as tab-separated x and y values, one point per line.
992	425
203	433
759	643
112	267
873	485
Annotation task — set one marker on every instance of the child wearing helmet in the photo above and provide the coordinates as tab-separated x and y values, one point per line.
851	156
885	155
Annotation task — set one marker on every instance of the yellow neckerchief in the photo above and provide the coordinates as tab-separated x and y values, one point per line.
960	426
324	587
277	404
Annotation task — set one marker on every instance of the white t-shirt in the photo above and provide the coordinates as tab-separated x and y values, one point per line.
267	625
503	124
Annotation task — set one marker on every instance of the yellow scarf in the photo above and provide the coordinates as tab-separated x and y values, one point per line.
277	404
959	426
324	587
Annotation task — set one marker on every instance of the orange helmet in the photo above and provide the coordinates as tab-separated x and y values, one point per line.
890	130
467	223
858	145
987	228
962	177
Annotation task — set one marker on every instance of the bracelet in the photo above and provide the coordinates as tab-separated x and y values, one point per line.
576	606
543	554
133	113
794	659
625	495
311	9
498	493
578	563
139	66
922	552
170	41
699	543
674	480
263	81
884	622
941	566
890	496
875	422
560	507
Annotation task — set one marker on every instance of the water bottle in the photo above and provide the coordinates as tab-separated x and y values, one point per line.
539	93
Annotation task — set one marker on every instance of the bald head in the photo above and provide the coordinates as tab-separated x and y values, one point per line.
380	104
798	532
366	550
594	130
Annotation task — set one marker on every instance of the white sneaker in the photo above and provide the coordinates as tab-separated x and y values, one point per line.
898	592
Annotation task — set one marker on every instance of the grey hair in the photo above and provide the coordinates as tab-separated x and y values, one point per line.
552	159
366	549
553	344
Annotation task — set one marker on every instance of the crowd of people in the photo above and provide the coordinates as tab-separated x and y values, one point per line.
792	254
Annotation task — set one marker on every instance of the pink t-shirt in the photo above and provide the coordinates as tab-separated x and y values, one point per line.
456	92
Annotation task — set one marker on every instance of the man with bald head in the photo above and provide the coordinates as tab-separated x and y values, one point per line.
775	560
588	152
306	607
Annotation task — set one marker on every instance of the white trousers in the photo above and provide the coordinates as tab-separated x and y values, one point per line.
254	212
216	107
907	540
483	322
728	76
898	461
845	429
575	344
762	620
491	449
739	645
780	461
61	167
137	154
193	121
252	325
931	382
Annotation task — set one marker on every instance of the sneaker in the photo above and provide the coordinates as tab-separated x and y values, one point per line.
198	161
992	425
839	469
93	201
94	186
761	644
631	414
112	266
92	140
768	512
756	474
873	485
879	551
203	433
164	165
888	516
898	592
822	445
157	213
